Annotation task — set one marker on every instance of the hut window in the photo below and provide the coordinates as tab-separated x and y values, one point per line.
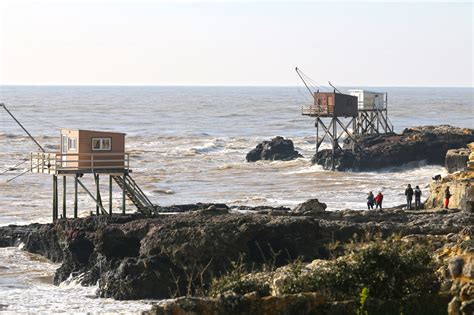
101	144
72	144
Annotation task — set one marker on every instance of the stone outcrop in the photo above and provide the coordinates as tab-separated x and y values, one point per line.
460	185
456	160
427	143
276	149
310	206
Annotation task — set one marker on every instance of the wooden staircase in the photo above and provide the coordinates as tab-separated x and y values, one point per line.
135	194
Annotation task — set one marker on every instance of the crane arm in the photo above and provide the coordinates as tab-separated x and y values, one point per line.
298	71
24	129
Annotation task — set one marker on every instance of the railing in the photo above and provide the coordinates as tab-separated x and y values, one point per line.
52	162
312	110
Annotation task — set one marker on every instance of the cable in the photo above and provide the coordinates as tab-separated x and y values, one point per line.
8	169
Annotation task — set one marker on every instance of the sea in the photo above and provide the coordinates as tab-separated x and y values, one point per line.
188	145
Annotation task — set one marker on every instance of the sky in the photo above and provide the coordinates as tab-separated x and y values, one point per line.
119	42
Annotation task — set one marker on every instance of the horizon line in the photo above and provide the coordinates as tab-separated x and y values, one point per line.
223	85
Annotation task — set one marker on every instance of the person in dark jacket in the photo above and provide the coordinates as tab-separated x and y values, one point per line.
370	200
447	195
417	198
409	195
378	200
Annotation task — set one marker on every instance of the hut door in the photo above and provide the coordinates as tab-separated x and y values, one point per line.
63	151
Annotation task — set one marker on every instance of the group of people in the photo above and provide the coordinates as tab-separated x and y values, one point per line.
374	200
409	194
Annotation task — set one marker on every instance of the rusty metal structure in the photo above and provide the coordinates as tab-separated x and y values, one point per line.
338	115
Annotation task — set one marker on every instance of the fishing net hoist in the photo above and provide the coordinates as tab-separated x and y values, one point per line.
358	113
87	152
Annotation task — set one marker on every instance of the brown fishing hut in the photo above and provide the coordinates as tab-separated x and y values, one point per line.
91	152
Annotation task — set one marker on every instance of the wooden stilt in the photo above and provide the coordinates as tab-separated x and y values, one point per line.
334	144
55	197
75	196
64	197
110	195
97	210
317	139
123	194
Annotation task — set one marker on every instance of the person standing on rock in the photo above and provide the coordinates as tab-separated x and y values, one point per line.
409	195
417	198
378	200
447	195
370	201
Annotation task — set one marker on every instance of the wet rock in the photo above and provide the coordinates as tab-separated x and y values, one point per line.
426	143
310	206
276	149
456	159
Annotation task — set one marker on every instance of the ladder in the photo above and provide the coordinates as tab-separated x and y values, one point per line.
135	194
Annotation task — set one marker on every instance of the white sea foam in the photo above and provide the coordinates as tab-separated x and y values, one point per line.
26	287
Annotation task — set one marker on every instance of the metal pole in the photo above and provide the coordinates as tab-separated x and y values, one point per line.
29	135
64	197
75	196
110	194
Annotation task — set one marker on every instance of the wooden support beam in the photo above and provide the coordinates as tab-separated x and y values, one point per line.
124	188
54	197
75	195
334	143
64	197
98	197
110	194
349	134
92	196
317	138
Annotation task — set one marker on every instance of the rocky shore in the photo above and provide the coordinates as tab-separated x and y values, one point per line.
132	257
426	143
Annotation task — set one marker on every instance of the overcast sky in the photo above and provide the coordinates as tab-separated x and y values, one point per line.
235	43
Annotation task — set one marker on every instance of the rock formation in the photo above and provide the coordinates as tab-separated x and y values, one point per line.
428	143
276	149
460	185
133	257
310	206
456	160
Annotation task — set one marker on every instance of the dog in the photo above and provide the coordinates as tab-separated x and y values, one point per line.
437	177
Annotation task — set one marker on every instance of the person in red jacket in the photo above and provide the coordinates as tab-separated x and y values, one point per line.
378	200
447	195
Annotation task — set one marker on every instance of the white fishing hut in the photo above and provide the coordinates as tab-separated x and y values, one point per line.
372	112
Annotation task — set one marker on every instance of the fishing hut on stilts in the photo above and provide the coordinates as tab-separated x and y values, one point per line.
85	153
339	115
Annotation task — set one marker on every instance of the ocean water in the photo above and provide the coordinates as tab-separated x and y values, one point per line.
188	144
